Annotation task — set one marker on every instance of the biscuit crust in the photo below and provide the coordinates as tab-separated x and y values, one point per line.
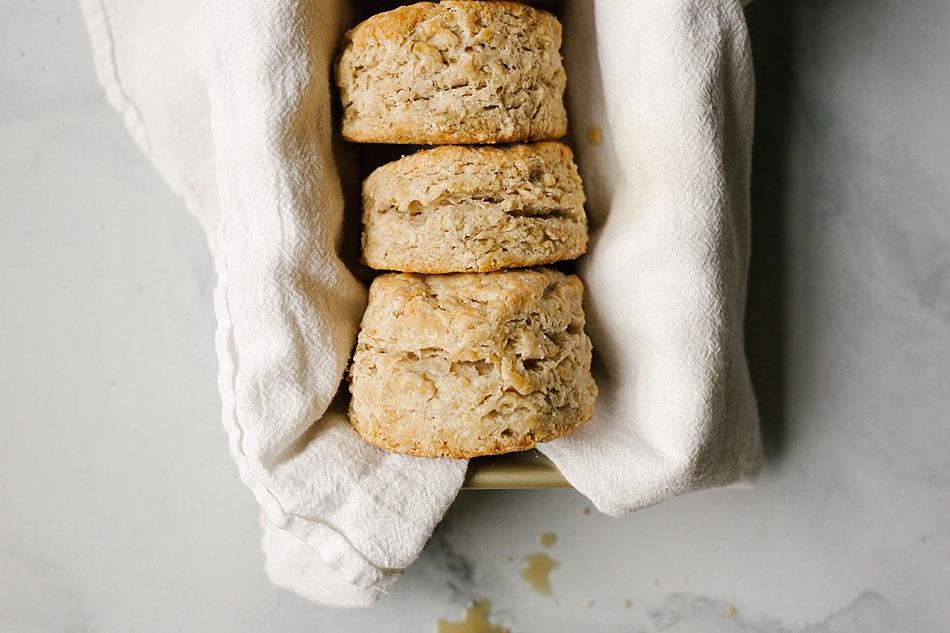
453	72
470	364
474	209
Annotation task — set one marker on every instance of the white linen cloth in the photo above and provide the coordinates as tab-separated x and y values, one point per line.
245	135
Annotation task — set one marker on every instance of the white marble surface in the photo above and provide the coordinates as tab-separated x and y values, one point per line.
114	474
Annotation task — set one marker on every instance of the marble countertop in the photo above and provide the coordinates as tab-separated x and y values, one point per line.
114	474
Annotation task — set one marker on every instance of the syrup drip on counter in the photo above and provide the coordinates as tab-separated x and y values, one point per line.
476	621
536	569
548	539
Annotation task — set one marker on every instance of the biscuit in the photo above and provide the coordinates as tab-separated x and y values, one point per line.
471	364
453	72
474	209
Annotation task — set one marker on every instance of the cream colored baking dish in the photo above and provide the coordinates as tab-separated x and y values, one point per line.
529	469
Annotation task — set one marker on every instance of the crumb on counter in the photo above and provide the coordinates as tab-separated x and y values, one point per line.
594	135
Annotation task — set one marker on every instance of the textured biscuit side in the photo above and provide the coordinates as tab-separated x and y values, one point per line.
456	72
471	364
474	209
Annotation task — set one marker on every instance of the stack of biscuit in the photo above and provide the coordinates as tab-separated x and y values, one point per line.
473	347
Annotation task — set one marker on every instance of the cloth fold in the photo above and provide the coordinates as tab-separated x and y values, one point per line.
660	100
668	190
